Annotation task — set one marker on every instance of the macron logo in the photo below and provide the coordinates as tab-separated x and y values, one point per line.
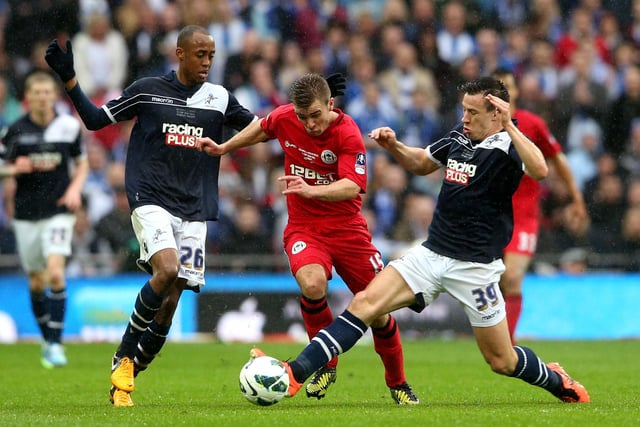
459	172
181	135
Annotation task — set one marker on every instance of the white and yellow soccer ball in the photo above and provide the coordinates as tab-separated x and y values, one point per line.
264	381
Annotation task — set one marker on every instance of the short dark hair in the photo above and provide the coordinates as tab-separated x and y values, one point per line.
485	86
188	31
309	88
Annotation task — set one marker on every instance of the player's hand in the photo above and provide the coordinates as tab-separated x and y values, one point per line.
209	146
22	165
337	84
296	185
384	137
71	199
502	108
60	61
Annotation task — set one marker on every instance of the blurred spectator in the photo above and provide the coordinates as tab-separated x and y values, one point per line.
386	201
170	23
516	51
541	66
579	94
545	20
334	47
623	111
422	16
10	107
100	57
306	25
508	13
260	94
625	56
610	32
633	192
405	76
247	237
489	50
371	109
114	230
607	203
442	71
146	46
581	31
415	218
584	146
532	97
383	47
633	28
97	189
85	259
454	40
316	62
630	159
31	21
292	66
228	30
419	123
361	70
237	69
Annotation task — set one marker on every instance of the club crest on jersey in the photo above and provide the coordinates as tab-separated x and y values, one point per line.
361	164
328	157
298	247
181	135
459	172
210	98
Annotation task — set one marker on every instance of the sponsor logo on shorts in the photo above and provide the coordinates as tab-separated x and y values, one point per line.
298	247
490	316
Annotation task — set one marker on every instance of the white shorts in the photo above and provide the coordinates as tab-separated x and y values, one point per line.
473	284
157	229
36	240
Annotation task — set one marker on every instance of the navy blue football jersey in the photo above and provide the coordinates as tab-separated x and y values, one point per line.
51	150
473	220
163	167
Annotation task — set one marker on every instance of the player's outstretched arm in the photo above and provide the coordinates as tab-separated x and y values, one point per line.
61	61
251	135
413	159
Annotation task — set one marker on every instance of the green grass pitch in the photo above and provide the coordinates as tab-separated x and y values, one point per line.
197	385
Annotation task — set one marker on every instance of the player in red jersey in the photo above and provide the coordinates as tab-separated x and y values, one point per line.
526	208
326	172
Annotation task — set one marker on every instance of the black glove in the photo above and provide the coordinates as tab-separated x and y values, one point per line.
337	84
60	61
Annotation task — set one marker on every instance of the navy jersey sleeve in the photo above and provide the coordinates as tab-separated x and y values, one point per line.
93	117
237	116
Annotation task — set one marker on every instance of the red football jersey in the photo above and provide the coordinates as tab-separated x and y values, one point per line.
526	197
336	154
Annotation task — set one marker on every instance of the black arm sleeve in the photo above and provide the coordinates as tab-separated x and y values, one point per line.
94	118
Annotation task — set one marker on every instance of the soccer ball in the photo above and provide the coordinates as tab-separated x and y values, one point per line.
264	381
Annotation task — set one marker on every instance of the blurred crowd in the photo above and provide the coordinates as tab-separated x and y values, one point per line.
577	62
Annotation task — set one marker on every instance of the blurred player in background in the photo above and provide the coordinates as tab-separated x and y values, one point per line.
326	170
39	148
484	159
172	188
526	203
